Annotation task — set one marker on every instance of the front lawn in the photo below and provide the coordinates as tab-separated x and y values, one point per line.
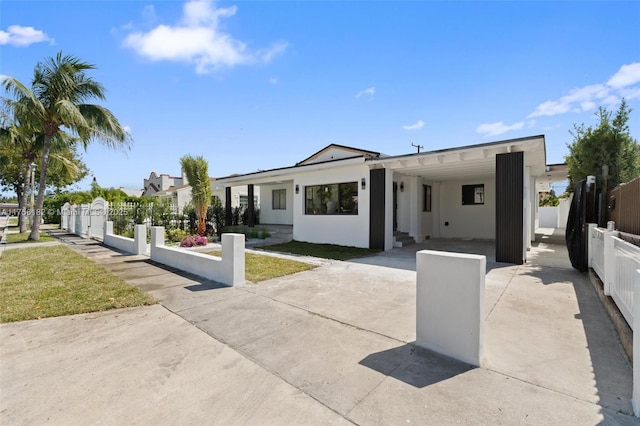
261	267
23	238
40	282
325	251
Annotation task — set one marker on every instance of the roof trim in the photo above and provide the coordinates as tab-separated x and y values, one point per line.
362	152
296	167
463	148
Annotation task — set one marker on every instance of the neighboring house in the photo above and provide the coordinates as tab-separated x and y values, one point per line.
156	183
181	195
354	197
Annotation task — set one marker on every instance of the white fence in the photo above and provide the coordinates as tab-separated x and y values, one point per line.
86	220
615	261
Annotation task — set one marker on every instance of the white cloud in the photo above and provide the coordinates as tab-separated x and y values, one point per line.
273	80
19	36
3	77
627	75
498	128
369	91
415	126
149	13
127	129
196	39
621	84
276	49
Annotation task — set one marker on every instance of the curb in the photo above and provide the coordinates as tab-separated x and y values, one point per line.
625	334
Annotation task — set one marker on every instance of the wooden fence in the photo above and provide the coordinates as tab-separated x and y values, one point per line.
623	207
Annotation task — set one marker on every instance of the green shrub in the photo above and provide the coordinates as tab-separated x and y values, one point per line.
175	235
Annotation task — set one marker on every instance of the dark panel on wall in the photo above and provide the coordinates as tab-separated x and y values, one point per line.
251	210
509	207
227	206
376	208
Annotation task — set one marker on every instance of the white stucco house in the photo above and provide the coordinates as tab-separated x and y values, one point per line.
181	195
355	197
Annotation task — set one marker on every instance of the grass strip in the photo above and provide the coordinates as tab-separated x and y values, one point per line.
41	282
325	251
261	268
23	238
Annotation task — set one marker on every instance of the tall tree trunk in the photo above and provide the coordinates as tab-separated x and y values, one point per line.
22	200
35	227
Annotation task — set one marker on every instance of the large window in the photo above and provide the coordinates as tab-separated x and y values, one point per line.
279	199
337	198
426	198
244	201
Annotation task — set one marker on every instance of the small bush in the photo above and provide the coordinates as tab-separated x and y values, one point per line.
193	240
176	235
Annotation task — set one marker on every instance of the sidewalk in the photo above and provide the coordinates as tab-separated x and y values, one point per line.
332	345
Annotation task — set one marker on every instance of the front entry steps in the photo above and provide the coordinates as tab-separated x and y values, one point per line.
402	239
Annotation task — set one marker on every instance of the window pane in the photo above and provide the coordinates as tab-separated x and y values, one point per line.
349	198
279	199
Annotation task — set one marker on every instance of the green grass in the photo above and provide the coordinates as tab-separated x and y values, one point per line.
261	268
23	238
326	251
13	221
40	282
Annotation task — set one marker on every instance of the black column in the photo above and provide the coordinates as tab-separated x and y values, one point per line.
376	208
251	207
509	208
228	218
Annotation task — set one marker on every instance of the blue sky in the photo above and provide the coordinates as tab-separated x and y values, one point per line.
261	84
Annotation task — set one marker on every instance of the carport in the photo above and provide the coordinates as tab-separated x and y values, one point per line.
479	192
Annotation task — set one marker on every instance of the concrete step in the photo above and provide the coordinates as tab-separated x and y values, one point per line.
402	239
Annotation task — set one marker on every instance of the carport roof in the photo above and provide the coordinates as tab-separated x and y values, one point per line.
472	161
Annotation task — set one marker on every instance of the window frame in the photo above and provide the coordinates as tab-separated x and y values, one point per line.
473	195
310	190
281	198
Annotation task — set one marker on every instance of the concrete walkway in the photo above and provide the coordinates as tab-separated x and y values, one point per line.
332	345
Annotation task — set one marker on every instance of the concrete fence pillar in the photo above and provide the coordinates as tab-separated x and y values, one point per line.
233	258
108	229
635	398
157	238
450	310
140	238
591	236
609	261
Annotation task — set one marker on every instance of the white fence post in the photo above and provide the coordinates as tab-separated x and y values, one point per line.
450	311
140	238
108	230
609	261
635	399
233	258
591	236
157	238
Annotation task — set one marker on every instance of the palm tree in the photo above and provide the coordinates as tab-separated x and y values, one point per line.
197	171
55	103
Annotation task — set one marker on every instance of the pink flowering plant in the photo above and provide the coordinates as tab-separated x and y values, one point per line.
193	240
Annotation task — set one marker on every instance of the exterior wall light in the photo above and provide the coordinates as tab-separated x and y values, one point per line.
297	189
401	186
363	183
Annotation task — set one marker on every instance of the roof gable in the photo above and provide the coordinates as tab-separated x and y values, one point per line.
337	152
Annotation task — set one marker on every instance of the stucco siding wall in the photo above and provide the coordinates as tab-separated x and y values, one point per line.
469	221
277	217
348	230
